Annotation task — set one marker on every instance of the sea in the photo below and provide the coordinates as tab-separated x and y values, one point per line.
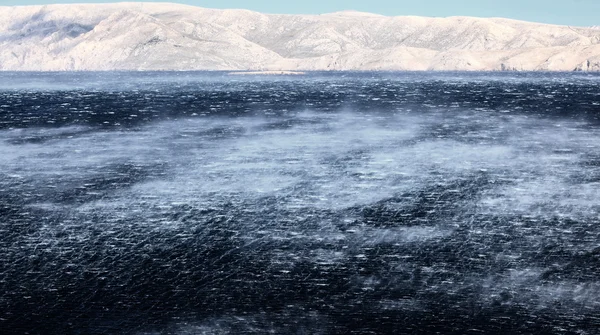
320	203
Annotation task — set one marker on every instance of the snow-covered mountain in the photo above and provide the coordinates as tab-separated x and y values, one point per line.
163	36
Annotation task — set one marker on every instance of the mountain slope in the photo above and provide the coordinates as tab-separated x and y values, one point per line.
154	36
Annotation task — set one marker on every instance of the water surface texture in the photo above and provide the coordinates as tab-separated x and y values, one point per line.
348	203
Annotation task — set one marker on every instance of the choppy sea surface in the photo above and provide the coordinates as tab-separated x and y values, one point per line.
327	203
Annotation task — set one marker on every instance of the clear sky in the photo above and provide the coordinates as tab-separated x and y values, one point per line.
567	12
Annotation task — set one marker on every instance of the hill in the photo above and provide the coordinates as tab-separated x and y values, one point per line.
163	36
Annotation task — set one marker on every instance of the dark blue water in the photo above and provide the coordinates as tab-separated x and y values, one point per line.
328	203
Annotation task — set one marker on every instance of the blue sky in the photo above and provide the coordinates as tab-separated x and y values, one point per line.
568	12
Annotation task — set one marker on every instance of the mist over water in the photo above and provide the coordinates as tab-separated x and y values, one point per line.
202	203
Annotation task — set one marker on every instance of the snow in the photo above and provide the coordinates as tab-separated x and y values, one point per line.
164	36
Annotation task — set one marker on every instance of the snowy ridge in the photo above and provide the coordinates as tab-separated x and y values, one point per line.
163	36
